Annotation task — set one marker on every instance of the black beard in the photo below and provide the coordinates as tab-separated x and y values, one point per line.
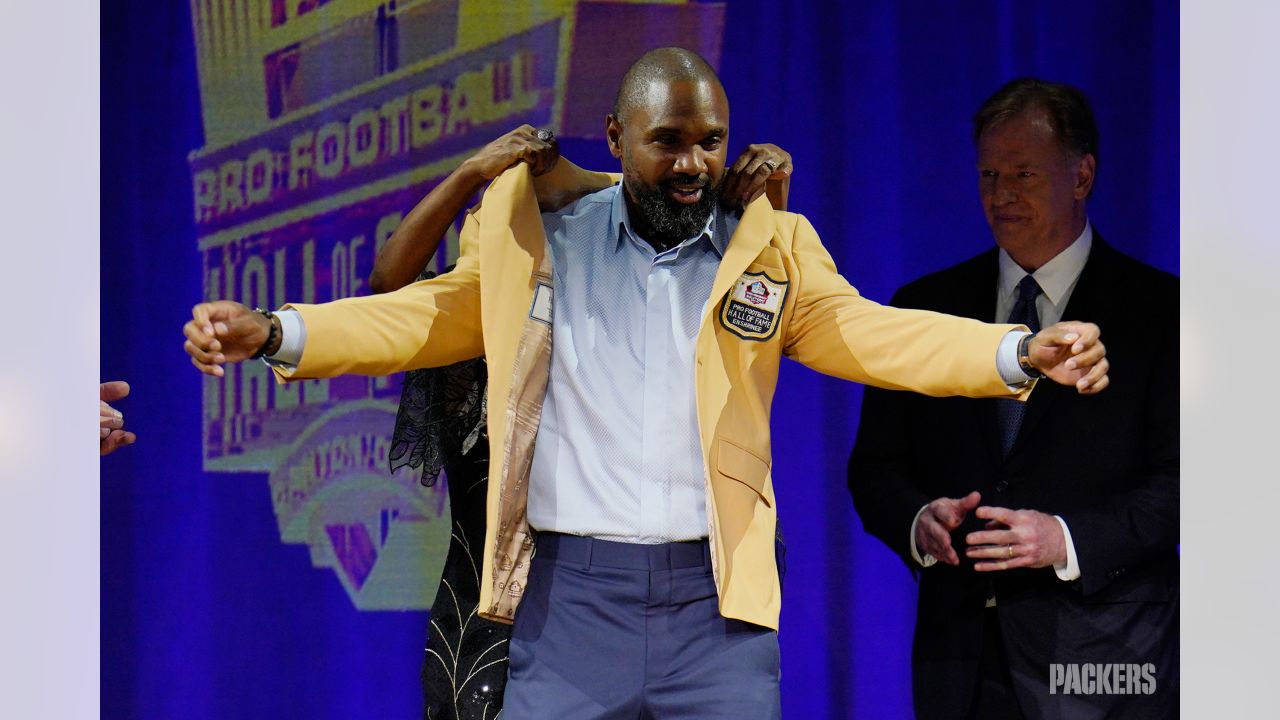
665	223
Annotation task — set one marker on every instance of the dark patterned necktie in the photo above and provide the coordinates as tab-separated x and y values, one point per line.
1011	412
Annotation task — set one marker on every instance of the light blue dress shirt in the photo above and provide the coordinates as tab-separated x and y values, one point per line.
618	455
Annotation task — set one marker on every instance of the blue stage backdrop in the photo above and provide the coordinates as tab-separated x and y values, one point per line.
258	560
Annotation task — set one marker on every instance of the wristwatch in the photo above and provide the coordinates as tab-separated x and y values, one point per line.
1024	357
274	330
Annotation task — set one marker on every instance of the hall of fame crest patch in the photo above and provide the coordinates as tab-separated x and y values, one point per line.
752	308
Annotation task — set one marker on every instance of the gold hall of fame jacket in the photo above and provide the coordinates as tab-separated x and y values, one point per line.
776	293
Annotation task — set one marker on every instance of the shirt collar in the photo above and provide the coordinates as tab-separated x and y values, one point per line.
1056	277
718	227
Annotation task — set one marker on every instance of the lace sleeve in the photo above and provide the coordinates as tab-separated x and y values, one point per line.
441	416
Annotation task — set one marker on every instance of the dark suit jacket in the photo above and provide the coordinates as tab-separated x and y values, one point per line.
1107	464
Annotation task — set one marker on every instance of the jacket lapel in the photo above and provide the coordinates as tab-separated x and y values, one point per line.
752	235
512	245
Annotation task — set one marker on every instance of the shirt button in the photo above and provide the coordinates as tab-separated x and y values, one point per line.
1002	486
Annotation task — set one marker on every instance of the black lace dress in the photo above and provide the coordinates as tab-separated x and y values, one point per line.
441	425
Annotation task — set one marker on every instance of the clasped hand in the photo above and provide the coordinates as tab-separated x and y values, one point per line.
1011	538
1072	353
221	332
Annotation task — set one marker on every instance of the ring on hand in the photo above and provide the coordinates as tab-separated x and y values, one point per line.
544	135
770	164
1010	549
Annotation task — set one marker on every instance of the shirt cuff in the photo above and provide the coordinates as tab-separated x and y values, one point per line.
293	336
1070	570
1007	360
926	560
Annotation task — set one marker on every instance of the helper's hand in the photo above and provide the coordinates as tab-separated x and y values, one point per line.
524	144
1015	539
1072	353
222	332
111	432
757	166
934	526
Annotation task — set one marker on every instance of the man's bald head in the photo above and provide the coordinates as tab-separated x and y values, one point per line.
670	129
664	65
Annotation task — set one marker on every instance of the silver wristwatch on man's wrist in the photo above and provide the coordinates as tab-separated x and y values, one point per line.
1024	357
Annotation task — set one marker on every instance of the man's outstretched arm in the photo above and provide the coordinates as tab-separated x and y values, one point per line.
426	324
838	332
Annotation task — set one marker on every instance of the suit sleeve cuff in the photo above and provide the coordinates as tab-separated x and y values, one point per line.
293	336
1007	360
1070	570
926	560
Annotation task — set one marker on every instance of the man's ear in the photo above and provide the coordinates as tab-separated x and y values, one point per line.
1084	176
613	134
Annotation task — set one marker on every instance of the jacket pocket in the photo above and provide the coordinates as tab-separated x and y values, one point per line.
743	466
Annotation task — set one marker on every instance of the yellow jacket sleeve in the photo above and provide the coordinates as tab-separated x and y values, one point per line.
836	331
429	323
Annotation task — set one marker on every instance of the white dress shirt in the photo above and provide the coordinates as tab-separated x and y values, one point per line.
1057	279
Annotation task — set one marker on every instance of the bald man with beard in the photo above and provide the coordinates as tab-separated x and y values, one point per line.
635	458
